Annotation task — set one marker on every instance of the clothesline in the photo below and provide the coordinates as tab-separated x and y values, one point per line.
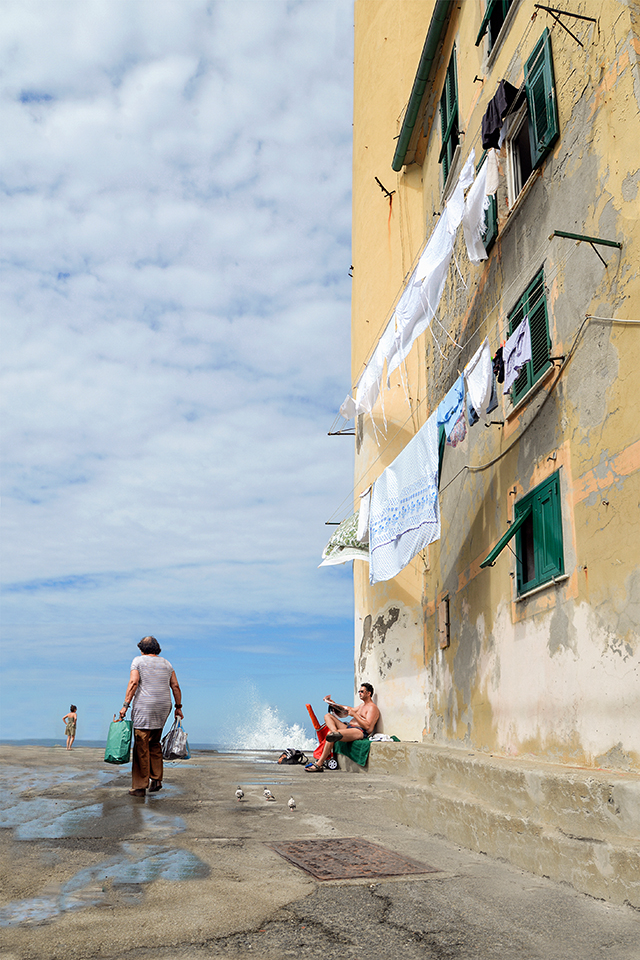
358	483
559	264
404	290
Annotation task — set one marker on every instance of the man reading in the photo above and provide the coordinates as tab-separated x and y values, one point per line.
356	724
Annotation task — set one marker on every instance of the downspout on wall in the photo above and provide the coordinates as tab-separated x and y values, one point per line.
434	34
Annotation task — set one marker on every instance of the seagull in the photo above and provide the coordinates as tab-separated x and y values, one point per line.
267	794
291	804
239	793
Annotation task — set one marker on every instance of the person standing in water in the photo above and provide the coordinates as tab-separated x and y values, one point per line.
71	720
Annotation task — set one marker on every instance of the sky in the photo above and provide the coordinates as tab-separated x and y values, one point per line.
175	317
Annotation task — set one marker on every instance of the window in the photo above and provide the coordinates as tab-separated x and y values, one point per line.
494	16
532	304
534	125
539	549
537	529
449	118
491	231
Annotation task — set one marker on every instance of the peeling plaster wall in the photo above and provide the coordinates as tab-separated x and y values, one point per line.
555	675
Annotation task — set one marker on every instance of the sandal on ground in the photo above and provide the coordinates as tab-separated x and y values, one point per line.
137	793
332	737
314	768
155	785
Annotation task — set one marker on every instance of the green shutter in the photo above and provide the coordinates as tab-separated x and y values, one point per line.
541	100
491	231
485	20
548	531
544	505
533	304
449	116
504	539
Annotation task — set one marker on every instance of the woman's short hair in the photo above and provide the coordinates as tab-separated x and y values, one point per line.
73	708
368	687
149	645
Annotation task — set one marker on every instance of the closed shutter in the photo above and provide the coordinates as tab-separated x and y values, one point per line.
547	519
541	100
449	117
534	305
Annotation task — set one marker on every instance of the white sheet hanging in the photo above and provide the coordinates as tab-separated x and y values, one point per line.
405	512
369	383
493	174
420	298
474	219
477	375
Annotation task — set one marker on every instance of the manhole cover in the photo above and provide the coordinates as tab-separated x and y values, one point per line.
343	858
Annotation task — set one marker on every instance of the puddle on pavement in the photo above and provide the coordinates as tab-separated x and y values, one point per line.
90	887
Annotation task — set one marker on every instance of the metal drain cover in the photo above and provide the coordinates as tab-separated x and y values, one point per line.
347	857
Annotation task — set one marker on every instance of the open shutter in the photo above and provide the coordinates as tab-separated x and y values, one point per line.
504	539
548	531
485	20
541	100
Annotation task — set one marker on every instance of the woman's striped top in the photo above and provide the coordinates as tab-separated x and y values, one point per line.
152	700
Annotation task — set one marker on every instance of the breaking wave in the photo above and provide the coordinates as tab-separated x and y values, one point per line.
264	729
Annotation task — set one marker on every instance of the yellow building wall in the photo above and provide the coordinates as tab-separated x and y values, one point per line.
555	675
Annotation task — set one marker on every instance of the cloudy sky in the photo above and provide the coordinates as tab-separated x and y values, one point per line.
175	319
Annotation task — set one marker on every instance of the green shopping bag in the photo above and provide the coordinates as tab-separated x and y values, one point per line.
118	742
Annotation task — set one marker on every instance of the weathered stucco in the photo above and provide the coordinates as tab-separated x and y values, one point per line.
555	675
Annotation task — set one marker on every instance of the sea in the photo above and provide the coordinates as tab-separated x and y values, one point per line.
263	731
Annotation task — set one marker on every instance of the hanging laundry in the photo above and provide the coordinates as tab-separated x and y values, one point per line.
474	219
472	416
429	277
369	383
363	517
517	351
458	431
405	512
493	401
498	365
478	376
493	173
496	112
344	544
348	408
452	407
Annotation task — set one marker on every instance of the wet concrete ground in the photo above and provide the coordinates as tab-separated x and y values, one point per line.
188	873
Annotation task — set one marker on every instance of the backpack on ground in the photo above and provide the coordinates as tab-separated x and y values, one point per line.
292	756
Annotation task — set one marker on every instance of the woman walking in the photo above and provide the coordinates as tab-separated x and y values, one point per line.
70	720
151	683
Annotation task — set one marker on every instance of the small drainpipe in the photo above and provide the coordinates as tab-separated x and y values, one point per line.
436	28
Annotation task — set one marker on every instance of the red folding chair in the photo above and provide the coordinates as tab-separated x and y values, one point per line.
321	731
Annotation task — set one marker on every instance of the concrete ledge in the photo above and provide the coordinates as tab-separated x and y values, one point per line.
576	825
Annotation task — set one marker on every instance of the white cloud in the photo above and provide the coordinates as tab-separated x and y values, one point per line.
176	211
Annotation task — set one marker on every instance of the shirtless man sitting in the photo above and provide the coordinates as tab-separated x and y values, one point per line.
359	722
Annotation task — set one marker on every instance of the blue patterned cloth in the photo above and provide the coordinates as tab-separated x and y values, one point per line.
405	512
452	407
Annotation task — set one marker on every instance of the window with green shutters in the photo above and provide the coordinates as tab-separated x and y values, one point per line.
494	16
534	127
537	530
449	117
541	100
532	304
539	543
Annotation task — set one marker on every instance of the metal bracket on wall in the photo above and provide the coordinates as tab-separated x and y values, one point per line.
582	238
342	433
565	13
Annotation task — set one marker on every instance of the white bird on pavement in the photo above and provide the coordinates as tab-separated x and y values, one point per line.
239	793
291	804
267	794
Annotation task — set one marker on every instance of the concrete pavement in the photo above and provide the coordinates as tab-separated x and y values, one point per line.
187	874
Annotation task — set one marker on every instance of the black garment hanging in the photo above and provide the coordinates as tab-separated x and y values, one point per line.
495	113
